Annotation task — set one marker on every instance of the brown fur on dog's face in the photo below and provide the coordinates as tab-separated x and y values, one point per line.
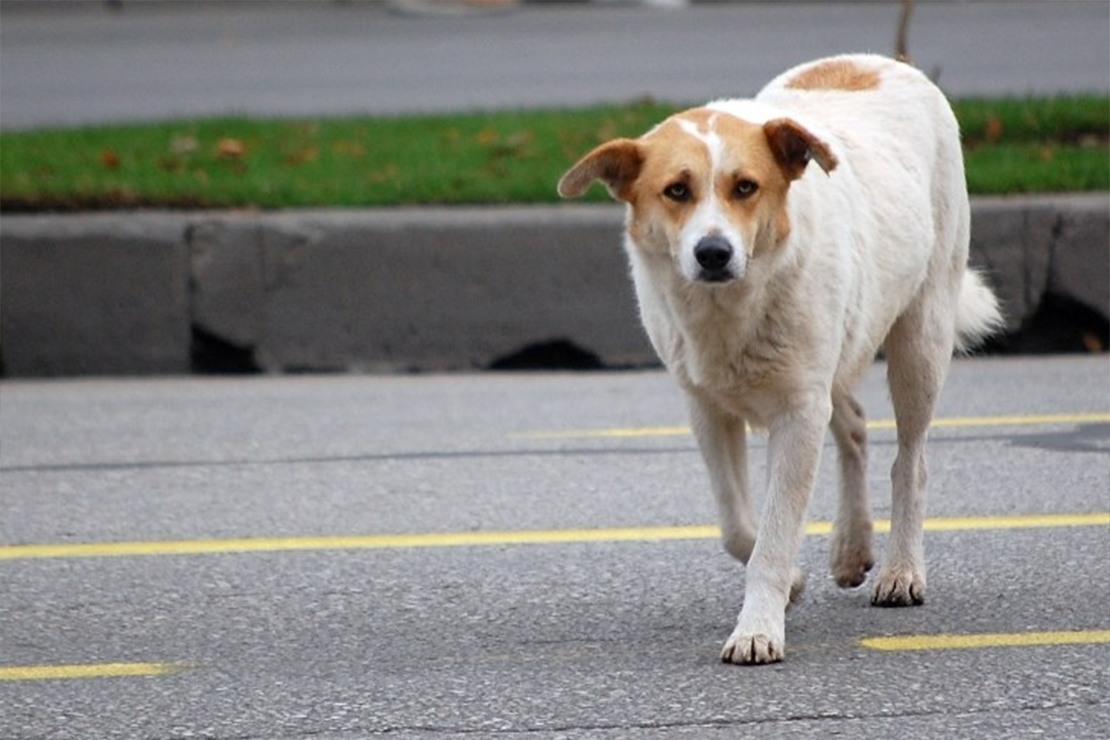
705	187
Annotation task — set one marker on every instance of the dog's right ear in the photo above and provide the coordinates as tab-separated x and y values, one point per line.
793	147
616	164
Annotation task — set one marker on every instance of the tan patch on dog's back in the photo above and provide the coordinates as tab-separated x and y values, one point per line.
836	74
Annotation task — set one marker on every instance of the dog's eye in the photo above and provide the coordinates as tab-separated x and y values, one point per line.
677	191
745	188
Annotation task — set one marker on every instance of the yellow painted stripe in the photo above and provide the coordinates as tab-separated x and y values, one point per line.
1026	521
356	542
994	640
480	539
90	670
953	422
1023	420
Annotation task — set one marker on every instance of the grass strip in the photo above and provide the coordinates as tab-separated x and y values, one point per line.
1012	146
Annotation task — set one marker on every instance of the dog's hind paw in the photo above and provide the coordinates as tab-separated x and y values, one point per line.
850	569
743	649
797	587
850	558
899	587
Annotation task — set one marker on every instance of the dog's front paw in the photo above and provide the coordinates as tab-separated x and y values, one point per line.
899	587
757	649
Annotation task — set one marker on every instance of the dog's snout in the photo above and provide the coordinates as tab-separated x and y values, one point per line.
713	253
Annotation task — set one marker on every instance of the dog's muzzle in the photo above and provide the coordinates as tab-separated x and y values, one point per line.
713	254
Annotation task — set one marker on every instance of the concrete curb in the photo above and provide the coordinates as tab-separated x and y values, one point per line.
408	289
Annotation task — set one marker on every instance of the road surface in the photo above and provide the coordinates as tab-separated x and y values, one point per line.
59	65
462	556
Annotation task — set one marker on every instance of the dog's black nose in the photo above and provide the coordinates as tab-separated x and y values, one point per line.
713	253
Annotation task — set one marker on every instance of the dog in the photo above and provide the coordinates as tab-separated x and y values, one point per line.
777	244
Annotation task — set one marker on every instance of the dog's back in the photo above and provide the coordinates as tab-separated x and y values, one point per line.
901	183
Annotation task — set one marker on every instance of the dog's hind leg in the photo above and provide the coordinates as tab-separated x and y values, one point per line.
918	350
850	553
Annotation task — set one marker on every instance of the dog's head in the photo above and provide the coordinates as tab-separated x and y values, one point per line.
705	187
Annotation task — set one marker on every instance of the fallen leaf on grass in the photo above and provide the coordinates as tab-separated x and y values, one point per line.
171	164
994	129
520	139
348	148
109	159
231	149
383	175
303	156
180	145
512	145
606	131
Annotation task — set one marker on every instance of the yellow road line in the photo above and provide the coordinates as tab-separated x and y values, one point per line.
952	422
1020	521
972	642
355	542
89	670
480	539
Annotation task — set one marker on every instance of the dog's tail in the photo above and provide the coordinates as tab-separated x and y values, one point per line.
977	314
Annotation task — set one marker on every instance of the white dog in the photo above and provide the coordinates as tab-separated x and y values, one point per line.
767	286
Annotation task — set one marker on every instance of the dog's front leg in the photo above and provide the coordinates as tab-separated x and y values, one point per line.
794	452
722	439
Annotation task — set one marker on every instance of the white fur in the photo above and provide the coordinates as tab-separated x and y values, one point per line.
876	257
708	218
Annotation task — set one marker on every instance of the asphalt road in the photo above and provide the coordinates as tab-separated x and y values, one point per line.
232	543
59	65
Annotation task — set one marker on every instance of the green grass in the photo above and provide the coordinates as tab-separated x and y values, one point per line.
1018	145
1036	145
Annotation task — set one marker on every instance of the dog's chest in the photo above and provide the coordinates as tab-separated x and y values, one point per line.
748	381
743	363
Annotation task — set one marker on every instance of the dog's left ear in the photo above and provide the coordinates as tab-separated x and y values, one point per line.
793	146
